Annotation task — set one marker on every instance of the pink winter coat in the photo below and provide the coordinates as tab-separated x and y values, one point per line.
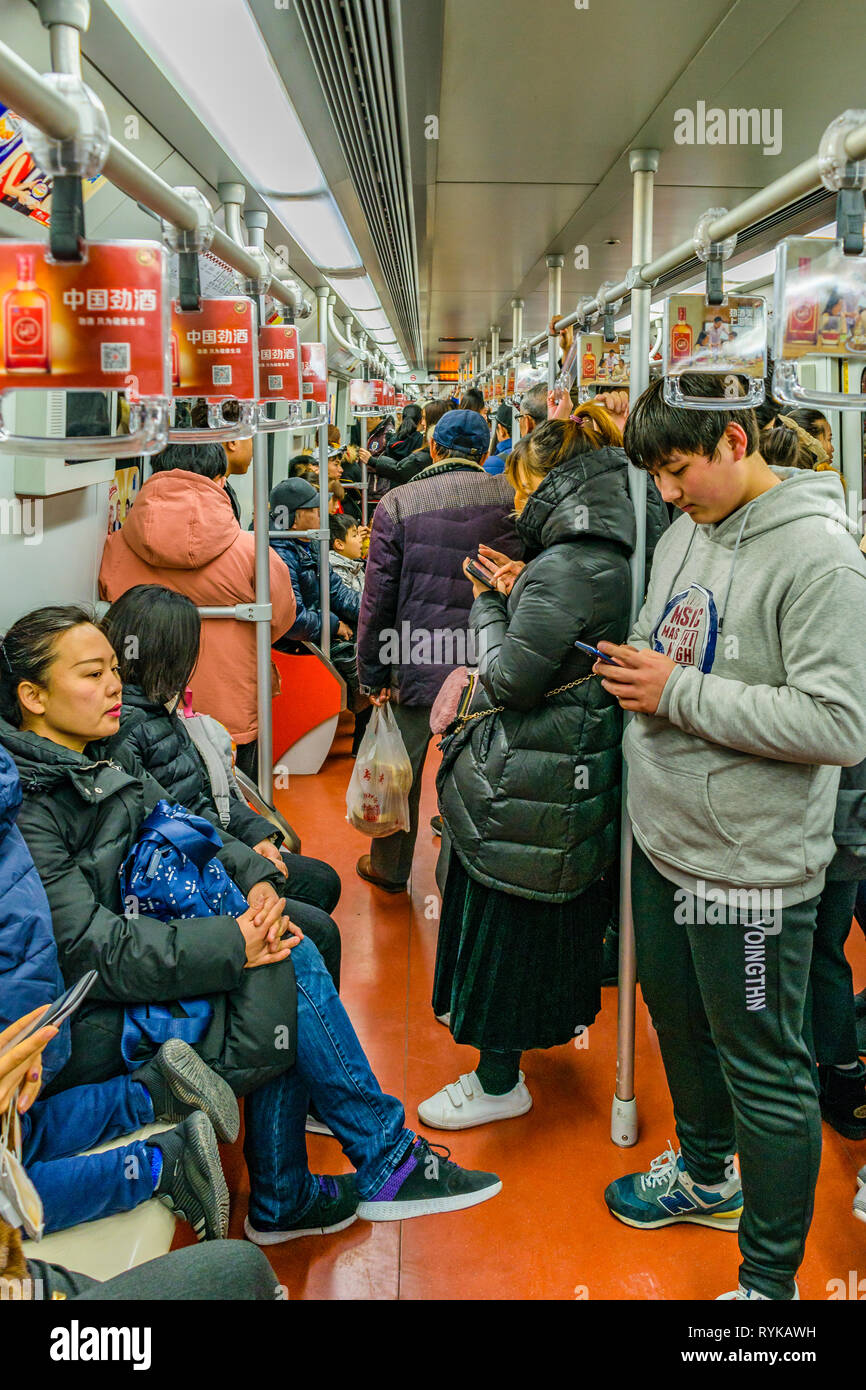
182	533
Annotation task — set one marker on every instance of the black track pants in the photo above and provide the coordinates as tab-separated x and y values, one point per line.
727	1002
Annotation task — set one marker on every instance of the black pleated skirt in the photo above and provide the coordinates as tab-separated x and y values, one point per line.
514	973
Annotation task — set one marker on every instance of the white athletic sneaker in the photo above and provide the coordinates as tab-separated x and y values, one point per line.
463	1104
740	1293
443	1018
860	1199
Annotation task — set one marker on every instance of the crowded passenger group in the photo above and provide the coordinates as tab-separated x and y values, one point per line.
127	847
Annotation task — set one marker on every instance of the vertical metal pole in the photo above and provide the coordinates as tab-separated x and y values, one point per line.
623	1119
554	306
494	342
851	444
365	477
516	326
256	223
322	292
365	481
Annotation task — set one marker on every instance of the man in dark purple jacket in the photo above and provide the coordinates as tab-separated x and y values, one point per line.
414	619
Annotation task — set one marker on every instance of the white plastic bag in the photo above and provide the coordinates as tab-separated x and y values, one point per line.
377	801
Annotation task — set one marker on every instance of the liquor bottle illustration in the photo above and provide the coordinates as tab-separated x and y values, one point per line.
802	325
589	365
175	361
26	322
681	337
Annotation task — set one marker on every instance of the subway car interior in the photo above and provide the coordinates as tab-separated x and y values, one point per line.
366	364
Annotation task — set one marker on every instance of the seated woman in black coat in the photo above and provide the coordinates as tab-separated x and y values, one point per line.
278	1032
529	791
156	634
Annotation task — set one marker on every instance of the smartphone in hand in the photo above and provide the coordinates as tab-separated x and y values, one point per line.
478	573
59	1011
600	656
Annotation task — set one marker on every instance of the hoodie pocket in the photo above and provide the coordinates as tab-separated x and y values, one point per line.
672	813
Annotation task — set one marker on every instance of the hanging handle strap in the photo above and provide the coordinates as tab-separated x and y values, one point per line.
66	227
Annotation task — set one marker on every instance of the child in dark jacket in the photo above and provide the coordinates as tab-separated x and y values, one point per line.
295	507
181	1167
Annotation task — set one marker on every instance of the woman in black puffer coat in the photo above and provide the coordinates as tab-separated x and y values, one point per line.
530	794
163	630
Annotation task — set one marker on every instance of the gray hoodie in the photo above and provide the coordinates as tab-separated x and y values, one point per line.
733	782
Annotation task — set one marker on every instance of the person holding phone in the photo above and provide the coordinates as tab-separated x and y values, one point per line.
744	675
529	789
230	1269
278	1035
181	1166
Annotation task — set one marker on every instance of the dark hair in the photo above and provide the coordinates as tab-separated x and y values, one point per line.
783	447
433	412
340	524
298	465
27	651
472	400
156	634
556	441
410	422
770	406
808	419
208	460
654	430
198	415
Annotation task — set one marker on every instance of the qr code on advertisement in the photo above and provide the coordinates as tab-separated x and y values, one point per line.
114	357
222	376
275	383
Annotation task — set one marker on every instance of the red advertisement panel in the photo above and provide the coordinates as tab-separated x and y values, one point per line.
279	363
213	350
314	372
95	325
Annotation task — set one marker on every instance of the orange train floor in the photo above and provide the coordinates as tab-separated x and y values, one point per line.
548	1235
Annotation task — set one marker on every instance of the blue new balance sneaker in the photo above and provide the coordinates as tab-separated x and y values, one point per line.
666	1195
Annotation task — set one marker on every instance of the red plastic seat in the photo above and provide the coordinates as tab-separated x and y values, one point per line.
311	695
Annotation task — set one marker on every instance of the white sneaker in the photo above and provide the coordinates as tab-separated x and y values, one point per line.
443	1018
860	1199
740	1293
464	1104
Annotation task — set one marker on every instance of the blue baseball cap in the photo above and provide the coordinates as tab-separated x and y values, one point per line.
463	430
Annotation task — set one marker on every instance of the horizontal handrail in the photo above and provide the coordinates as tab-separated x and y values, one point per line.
22	88
803	178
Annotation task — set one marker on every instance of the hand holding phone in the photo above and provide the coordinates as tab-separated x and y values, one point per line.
600	656
472	567
58	1012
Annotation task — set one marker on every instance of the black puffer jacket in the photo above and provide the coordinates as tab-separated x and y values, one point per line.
80	817
531	796
403	470
164	748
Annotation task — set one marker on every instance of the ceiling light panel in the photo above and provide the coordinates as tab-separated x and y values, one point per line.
214	54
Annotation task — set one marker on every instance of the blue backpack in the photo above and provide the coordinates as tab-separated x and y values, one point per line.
172	872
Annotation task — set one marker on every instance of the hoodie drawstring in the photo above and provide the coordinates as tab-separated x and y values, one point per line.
724	607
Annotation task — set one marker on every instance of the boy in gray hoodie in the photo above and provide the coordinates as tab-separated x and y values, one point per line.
745	676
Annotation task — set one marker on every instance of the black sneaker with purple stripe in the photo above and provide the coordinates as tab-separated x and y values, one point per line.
428	1182
335	1207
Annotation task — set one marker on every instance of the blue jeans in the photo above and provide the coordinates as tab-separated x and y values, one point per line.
76	1189
332	1070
